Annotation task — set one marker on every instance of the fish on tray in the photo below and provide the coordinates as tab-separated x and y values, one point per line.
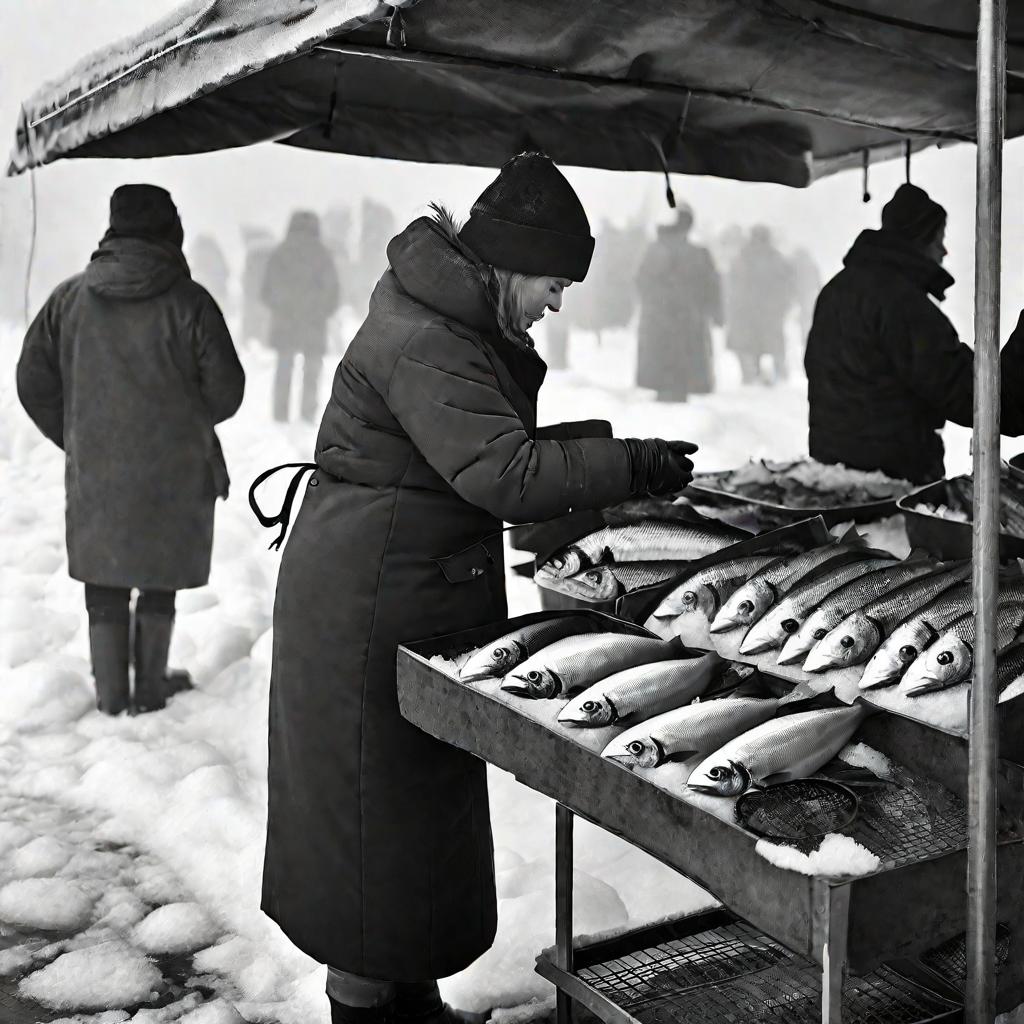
950	659
841	603
706	590
791	747
861	633
684	732
642	691
773	582
500	656
645	542
786	618
610	580
899	650
1009	666
577	662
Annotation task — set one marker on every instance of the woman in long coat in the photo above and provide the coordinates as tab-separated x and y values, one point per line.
379	855
127	368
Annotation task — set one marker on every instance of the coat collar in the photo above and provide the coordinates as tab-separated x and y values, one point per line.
884	250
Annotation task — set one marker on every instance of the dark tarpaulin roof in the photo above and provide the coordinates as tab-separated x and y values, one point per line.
767	90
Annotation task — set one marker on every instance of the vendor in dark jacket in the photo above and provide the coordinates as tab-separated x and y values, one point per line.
885	369
127	368
379	859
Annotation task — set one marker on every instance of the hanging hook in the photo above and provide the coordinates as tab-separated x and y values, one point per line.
866	163
906	157
396	30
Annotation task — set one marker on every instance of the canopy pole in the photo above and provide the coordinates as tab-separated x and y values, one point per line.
981	856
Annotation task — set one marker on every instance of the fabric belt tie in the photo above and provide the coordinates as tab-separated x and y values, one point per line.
284	515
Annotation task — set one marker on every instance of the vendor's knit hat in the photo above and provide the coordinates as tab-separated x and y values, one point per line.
913	214
145	211
531	221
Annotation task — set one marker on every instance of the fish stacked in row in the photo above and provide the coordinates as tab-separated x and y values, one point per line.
619	559
676	706
841	605
959	504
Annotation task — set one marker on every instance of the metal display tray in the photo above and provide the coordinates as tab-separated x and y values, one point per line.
946	538
914	899
711	967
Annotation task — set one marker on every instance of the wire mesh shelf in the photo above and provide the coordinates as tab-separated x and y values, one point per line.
735	974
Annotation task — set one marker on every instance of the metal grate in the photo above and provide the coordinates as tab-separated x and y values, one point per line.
949	960
735	973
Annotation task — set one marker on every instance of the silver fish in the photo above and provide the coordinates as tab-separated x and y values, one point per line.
694	729
898	651
645	542
838	605
785	618
578	661
950	659
771	583
500	656
1009	666
610	580
642	691
861	633
791	747
708	588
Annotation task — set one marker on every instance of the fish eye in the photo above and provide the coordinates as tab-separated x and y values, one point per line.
499	653
717	773
907	654
819	633
689	597
790	625
636	747
846	642
745	607
534	676
945	658
593	575
590	705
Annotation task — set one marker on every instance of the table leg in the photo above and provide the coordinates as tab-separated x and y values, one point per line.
563	904
833	970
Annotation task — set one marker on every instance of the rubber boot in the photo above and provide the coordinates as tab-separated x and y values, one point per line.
152	642
108	646
420	1002
342	1013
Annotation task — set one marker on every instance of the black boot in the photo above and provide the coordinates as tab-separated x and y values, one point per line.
152	642
419	1002
108	646
342	1013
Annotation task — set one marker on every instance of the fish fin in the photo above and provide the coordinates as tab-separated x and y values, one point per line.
920	555
803	698
738	680
680	650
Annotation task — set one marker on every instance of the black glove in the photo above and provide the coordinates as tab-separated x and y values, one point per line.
658	467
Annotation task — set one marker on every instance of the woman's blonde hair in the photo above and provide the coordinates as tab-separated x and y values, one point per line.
506	288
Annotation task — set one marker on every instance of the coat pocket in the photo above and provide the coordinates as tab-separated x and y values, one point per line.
472	563
218	467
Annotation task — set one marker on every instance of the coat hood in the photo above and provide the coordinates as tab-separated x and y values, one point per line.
134	268
885	251
436	270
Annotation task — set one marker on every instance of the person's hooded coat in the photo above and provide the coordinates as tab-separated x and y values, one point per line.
885	369
379	856
127	368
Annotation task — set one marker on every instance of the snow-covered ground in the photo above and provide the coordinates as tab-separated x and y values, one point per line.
131	849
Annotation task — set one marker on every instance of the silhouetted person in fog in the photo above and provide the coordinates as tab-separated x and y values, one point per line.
806	285
127	368
259	244
760	294
300	288
680	299
210	268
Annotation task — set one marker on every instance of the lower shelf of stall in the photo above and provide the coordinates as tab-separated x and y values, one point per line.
714	968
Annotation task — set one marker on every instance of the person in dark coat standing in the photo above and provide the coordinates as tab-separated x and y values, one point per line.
885	369
760	292
301	290
259	244
680	300
127	368
379	857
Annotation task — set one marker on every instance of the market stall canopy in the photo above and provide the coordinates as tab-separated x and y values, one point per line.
764	90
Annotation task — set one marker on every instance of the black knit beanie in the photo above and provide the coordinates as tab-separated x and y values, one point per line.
530	220
913	215
145	211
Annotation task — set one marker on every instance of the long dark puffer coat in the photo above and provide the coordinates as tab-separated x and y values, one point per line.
379	856
885	369
127	367
680	298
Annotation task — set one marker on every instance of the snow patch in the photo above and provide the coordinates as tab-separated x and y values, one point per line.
216	1012
175	928
837	856
106	976
42	856
860	755
52	904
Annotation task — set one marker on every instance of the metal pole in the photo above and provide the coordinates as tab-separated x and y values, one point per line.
563	906
981	856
